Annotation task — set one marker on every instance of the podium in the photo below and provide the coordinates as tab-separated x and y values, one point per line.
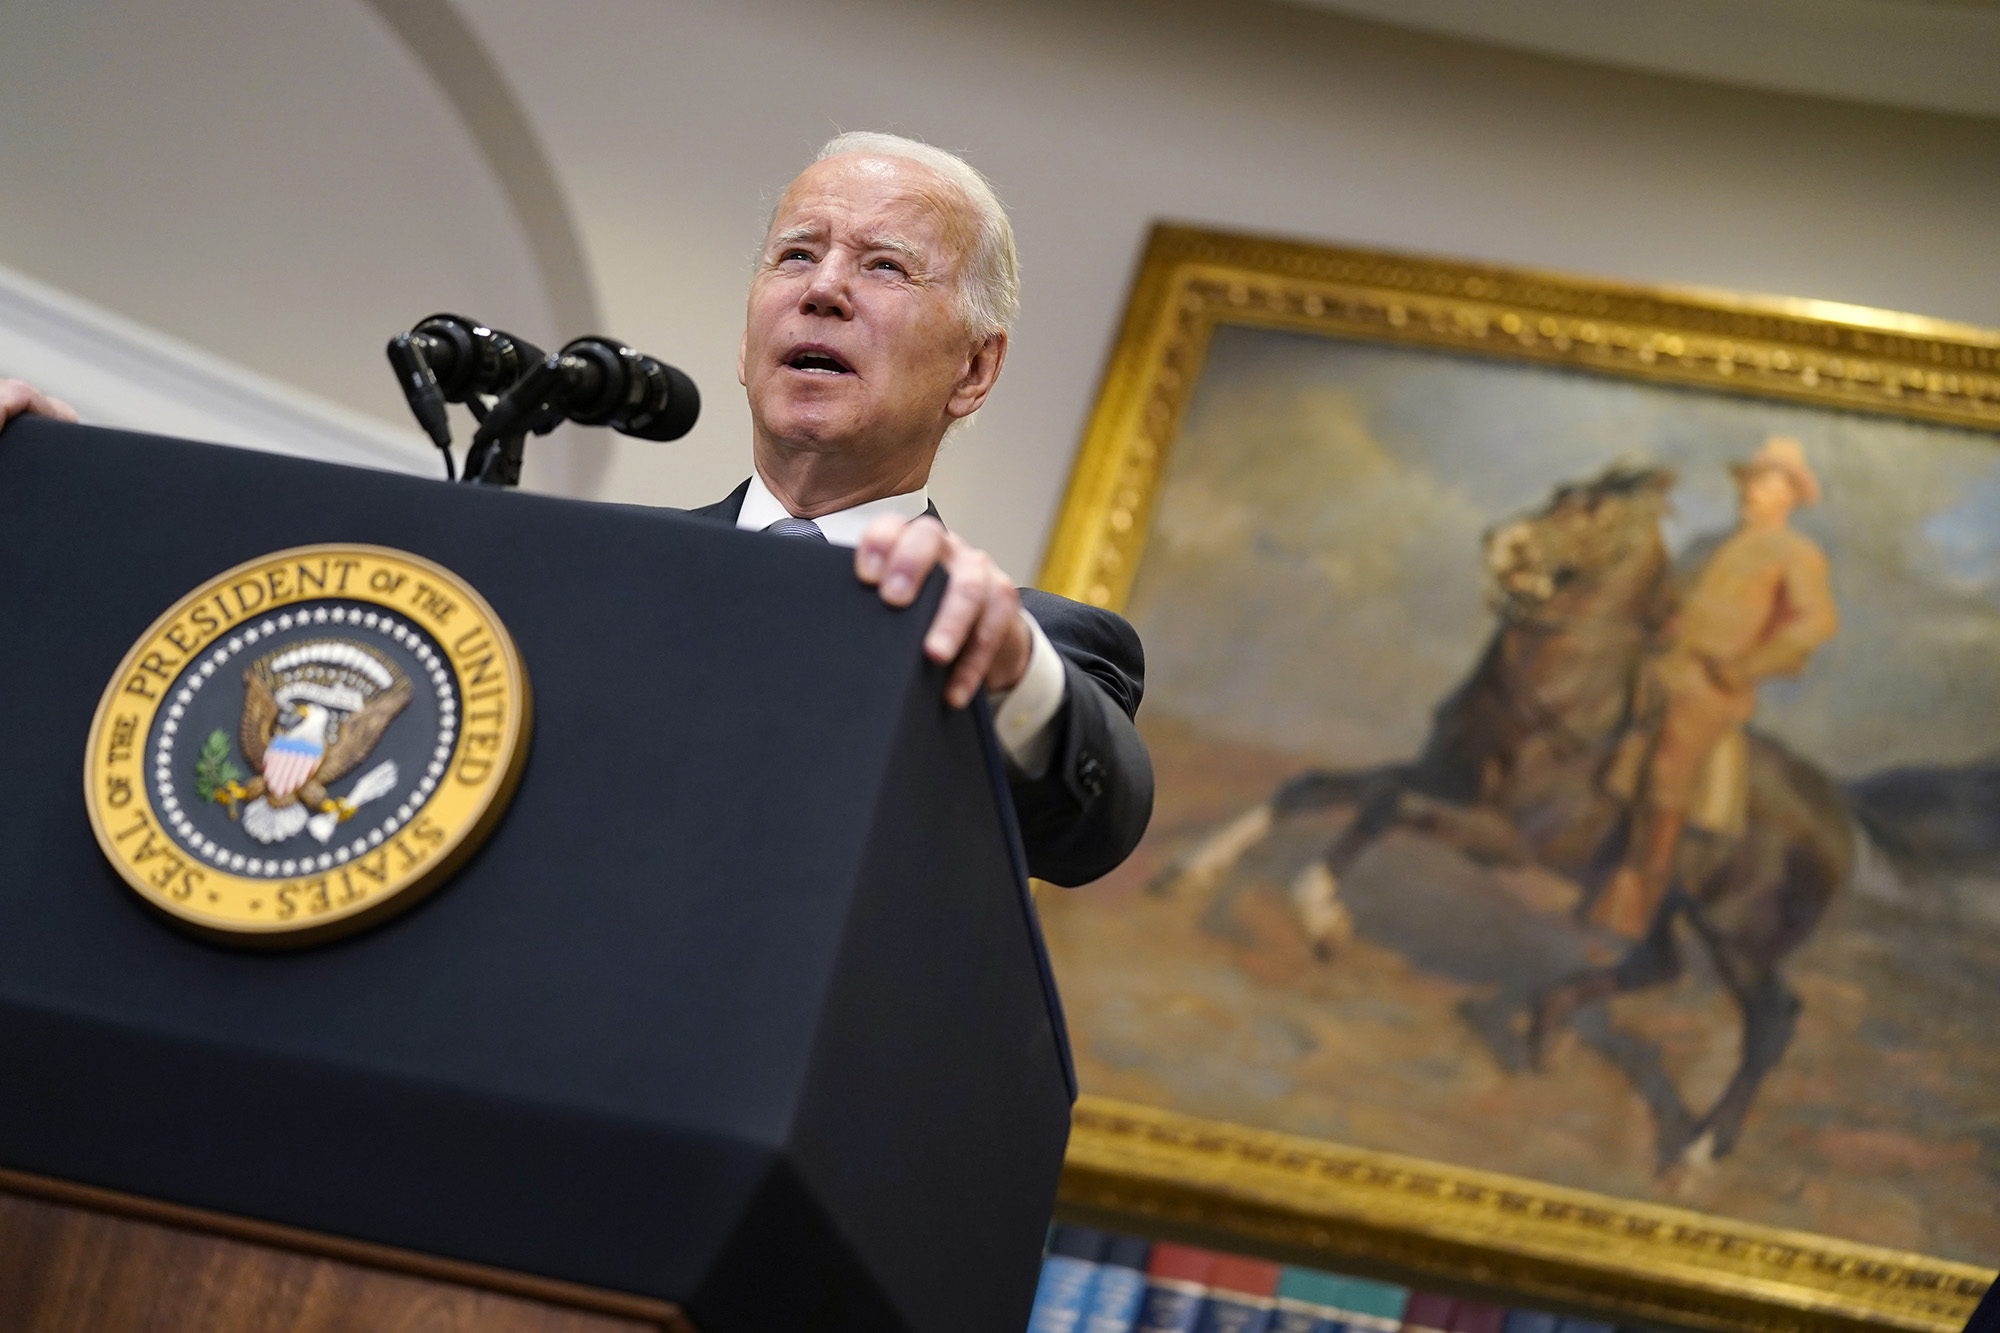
739	1020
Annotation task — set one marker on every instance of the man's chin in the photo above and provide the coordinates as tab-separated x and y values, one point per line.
820	430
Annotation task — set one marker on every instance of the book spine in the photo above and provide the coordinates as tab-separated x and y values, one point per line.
1171	1306
1234	1312
1530	1321
1303	1317
1060	1295
1115	1298
1359	1322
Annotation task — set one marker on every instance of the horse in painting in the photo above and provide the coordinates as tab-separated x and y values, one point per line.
1516	772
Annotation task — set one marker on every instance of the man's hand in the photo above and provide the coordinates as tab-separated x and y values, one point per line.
1729	676
17	397
979	627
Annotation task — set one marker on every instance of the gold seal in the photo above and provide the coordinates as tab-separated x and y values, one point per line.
307	743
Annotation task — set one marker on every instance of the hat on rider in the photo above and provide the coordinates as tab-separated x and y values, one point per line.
1782	453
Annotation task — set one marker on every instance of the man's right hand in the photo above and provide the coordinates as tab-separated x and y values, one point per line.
18	397
1728	676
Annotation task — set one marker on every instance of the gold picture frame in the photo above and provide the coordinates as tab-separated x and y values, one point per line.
1316	1202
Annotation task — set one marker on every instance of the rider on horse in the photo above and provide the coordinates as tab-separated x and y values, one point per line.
1758	609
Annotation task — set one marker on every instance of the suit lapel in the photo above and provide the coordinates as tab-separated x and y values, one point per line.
725	510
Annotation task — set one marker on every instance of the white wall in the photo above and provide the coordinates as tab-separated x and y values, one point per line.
1096	118
116	372
278	184
289	152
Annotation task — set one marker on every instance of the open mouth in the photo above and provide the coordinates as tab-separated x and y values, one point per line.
818	361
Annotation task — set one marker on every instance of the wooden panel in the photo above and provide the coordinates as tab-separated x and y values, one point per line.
67	1267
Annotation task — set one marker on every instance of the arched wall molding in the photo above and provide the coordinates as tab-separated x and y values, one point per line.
459	64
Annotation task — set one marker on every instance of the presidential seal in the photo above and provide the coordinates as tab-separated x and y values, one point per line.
307	743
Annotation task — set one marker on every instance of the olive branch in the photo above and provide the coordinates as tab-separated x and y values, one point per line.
213	773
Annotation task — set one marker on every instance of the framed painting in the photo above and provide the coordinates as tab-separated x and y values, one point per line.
1576	715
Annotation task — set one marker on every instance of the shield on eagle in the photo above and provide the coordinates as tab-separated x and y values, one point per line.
312	712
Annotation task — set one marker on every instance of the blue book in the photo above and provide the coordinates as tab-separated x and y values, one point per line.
1176	1288
1067	1269
1530	1321
1119	1287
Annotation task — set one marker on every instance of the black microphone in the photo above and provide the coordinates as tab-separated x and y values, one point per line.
420	388
592	381
451	359
609	384
468	358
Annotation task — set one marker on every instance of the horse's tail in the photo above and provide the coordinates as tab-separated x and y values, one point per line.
1924	831
1933	818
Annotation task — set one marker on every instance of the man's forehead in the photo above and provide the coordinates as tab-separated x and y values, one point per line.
877	197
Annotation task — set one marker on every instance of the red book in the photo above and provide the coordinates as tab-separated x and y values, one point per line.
1181	1263
1176	1288
1245	1277
1428	1312
1474	1317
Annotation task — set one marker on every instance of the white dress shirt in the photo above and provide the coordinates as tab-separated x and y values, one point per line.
1023	717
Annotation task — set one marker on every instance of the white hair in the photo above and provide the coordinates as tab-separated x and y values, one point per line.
989	285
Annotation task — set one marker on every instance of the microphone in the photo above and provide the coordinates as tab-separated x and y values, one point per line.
609	384
451	359
594	382
466	357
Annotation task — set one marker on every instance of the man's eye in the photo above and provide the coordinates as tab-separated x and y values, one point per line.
889	264
792	254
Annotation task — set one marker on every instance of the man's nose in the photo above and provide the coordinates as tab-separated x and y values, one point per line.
830	292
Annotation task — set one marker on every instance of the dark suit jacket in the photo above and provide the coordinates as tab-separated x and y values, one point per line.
1088	811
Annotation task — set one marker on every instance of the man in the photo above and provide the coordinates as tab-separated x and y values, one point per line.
1758	609
878	319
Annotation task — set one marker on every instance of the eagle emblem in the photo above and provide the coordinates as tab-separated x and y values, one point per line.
312	713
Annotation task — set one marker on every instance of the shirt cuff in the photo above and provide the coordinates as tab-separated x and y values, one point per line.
1024	716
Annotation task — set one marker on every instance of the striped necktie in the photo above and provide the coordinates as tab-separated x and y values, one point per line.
798	527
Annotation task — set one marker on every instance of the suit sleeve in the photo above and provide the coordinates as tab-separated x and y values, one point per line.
1090	807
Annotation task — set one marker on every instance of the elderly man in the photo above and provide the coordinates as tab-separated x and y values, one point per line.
878	319
1759	608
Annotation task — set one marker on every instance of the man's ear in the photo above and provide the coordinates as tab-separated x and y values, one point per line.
982	370
743	357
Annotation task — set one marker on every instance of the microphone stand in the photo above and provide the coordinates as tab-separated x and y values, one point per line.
536	405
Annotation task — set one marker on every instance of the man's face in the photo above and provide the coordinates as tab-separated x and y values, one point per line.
854	340
1768	496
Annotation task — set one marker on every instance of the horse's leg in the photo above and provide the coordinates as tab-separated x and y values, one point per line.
1202	866
1480	832
1770	1016
1315	890
1653	961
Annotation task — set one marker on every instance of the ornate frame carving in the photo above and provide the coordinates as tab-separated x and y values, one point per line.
1314	1201
1317	1202
1190	281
